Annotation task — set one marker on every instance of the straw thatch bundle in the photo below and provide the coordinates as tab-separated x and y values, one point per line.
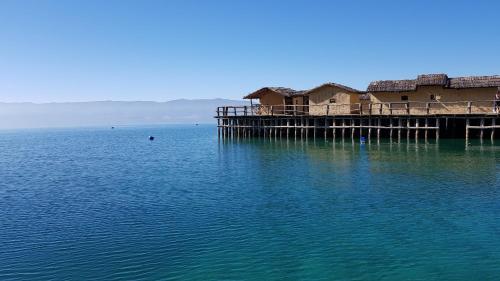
434	80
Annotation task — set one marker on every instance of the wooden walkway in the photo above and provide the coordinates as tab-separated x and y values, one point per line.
246	121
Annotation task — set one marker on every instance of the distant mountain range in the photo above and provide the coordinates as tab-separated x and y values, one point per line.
109	113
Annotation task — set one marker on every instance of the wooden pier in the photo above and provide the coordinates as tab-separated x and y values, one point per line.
363	120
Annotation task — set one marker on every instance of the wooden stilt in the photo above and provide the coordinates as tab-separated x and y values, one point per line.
334	130
467	123
353	123
481	133
416	130
493	125
343	129
390	130
408	124
437	129
378	128
400	124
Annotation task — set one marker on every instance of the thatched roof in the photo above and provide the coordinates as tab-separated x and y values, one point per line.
475	82
434	80
392	86
286	92
343	87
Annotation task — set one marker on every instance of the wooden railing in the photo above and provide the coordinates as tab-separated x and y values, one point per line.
389	108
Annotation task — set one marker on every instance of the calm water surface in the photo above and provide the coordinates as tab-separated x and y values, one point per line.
89	204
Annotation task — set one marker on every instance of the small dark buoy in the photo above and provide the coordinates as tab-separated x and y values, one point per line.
112	128
151	138
197	124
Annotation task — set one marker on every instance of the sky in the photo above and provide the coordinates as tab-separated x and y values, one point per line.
63	51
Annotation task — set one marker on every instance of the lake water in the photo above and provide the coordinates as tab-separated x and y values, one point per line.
102	204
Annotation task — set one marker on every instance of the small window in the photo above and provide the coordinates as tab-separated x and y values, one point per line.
333	100
432	97
404	98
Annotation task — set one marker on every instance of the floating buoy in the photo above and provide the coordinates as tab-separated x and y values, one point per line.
151	138
112	128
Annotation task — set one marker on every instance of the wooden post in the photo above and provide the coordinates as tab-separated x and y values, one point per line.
427	108
369	127
390	131
416	130
437	130
400	124
326	126
353	123
334	129
370	109
481	133
469	107
343	128
287	128
408	124
307	127
301	127
493	125
467	123
378	127
426	125
315	122
407	105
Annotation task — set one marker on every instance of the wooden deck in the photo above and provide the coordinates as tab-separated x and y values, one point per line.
391	120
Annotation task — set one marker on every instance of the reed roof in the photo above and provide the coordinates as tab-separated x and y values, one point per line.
343	87
434	80
286	92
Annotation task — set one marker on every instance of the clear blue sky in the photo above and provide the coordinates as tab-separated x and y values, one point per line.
163	50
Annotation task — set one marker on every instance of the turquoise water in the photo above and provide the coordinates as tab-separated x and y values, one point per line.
101	204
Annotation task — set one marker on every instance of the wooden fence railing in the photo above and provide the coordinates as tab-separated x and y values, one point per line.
389	108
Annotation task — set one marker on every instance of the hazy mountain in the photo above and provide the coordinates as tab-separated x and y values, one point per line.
109	113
